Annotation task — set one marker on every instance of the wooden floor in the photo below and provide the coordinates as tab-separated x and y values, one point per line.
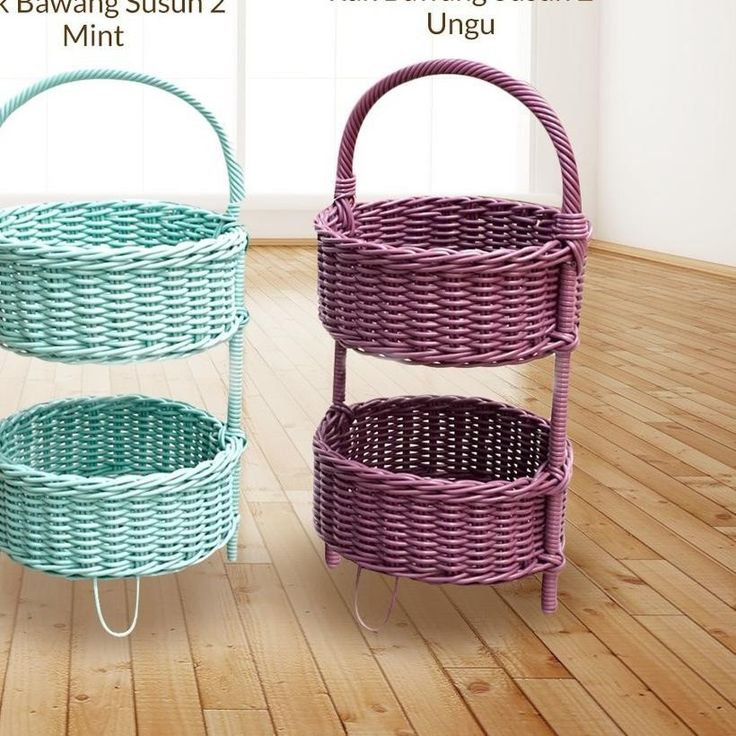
644	640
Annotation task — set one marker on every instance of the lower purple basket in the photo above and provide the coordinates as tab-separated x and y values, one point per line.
440	489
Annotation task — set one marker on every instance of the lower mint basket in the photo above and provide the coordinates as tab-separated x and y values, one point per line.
116	487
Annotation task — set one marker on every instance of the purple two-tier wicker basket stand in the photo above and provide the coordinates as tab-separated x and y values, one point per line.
449	489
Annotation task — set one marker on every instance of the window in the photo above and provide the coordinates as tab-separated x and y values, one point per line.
304	69
443	136
76	141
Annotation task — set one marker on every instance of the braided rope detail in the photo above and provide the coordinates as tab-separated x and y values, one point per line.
235	407
124	486
575	229
118	281
449	281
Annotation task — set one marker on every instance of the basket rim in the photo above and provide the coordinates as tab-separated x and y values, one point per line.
469	255
467	490
136	484
234	236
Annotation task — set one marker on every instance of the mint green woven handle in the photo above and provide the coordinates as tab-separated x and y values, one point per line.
235	173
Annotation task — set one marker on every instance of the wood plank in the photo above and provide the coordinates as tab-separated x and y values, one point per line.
664	540
515	646
31	704
101	673
295	691
13	374
630	703
224	668
238	723
428	697
251	547
453	642
681	688
288	466
226	674
498	703
363	699
431	702
692	598
101	696
619	542
628	590
166	696
610	384
283	243
621	694
568	708
42	624
11	577
645	635
710	659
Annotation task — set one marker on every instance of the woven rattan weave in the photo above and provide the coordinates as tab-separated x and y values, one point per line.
125	486
119	281
446	489
114	487
458	475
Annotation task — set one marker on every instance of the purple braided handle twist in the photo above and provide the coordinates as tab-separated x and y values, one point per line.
345	186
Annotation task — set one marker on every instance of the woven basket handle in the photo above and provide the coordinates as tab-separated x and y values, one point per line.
345	186
235	174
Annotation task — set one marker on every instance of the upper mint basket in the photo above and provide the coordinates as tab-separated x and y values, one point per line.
120	281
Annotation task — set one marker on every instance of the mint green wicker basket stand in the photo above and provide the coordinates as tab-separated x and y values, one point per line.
122	486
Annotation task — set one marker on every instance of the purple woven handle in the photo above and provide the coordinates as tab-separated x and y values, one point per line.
345	185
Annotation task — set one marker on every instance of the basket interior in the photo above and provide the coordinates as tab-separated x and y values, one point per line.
114	224
110	437
455	223
450	438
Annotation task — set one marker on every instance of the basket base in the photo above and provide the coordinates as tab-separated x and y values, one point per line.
116	487
550	576
148	571
444	490
550	568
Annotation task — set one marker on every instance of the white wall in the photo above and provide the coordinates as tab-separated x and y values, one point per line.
110	139
565	70
555	46
667	145
433	136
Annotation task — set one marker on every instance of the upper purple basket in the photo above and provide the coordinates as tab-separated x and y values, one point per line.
450	280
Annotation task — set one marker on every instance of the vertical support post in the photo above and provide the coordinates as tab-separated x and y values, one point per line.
235	400
555	510
339	375
339	378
